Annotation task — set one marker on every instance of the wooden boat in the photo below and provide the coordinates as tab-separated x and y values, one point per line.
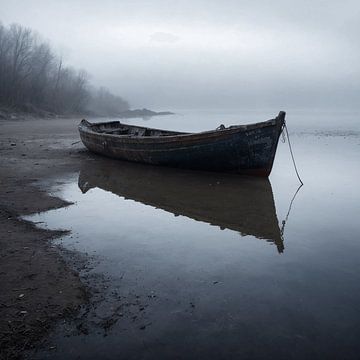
243	204
244	149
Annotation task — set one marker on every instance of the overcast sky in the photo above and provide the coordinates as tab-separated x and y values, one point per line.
201	53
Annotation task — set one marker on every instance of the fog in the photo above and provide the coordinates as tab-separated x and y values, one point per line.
207	54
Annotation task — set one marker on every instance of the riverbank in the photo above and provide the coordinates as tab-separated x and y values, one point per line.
17	114
38	287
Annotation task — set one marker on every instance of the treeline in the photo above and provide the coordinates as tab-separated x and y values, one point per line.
33	78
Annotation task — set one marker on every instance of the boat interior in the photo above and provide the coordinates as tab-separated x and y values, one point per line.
117	128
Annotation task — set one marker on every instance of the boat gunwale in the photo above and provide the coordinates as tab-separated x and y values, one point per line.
86	127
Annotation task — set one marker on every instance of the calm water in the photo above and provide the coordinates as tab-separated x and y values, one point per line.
200	265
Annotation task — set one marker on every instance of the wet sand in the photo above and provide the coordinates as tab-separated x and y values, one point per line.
38	287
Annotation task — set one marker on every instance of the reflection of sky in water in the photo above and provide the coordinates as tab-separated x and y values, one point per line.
304	301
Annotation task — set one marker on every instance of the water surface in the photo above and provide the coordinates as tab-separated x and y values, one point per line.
201	265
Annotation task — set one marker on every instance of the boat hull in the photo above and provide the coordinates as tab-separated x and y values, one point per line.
248	149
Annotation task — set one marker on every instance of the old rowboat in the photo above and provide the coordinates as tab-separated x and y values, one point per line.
244	149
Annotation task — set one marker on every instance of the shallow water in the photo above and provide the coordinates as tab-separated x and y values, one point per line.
202	263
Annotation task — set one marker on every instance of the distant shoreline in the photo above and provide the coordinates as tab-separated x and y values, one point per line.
144	113
16	114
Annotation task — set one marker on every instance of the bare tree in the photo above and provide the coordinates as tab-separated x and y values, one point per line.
22	40
5	46
33	78
106	104
41	68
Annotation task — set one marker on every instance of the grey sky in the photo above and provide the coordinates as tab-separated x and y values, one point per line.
207	53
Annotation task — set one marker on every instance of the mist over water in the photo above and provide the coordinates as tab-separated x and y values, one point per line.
207	54
193	120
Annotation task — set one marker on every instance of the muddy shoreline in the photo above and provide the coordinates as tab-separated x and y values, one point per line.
39	287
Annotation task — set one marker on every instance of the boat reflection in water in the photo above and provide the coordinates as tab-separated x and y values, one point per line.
239	203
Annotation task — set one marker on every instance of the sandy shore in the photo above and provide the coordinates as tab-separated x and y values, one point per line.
38	288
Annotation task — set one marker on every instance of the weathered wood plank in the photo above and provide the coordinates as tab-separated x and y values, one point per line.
245	149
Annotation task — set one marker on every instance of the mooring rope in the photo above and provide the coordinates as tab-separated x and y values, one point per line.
283	223
291	152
